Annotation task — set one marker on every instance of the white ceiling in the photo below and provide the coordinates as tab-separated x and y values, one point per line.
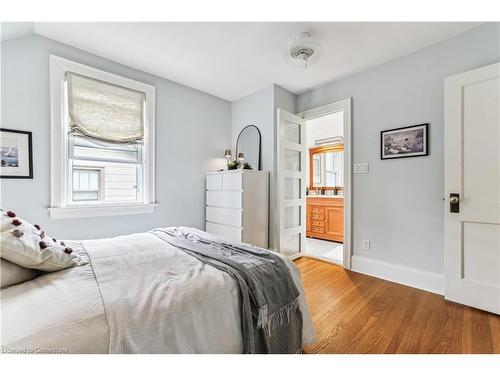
231	60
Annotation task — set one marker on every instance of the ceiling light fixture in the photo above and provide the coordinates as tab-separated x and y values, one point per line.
304	49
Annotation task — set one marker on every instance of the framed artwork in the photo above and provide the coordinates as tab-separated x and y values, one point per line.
16	154
406	142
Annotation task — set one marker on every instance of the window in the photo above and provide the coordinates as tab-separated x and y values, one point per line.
102	143
120	169
86	184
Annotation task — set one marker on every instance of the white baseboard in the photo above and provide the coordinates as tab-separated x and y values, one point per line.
429	281
295	256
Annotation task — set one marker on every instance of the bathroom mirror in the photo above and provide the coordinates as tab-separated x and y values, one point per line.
248	143
326	167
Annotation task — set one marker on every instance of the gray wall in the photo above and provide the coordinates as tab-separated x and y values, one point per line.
256	109
398	205
192	131
259	109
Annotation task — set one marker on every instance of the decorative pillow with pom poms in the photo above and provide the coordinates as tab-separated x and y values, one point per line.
28	246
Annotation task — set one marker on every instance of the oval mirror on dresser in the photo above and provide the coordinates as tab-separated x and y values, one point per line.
249	144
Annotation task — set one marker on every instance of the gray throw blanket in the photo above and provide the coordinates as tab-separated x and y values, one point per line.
270	316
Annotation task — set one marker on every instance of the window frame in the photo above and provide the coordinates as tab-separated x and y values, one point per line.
59	159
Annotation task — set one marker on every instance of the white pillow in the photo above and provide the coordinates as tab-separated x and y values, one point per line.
27	245
11	274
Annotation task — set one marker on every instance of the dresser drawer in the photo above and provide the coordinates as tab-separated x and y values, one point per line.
318	223
229	216
214	182
229	233
229	199
232	181
318	210
317	229
317	216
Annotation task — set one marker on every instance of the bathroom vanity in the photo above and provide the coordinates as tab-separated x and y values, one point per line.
325	217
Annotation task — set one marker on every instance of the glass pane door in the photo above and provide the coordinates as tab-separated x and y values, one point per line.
291	183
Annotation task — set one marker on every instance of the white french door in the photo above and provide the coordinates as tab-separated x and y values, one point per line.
291	182
472	188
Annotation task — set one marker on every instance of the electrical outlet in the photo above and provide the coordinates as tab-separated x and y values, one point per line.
366	245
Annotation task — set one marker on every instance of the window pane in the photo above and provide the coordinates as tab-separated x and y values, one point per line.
84	181
120	181
292	217
87	149
329	162
93	180
292	132
292	188
85	195
86	184
292	160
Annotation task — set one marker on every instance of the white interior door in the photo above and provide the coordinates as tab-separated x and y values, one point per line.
472	170
291	174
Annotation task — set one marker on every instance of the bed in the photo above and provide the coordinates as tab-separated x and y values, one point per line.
136	294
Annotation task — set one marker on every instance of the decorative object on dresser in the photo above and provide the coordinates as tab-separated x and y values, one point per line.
237	205
16	154
248	145
325	218
228	156
238	164
406	142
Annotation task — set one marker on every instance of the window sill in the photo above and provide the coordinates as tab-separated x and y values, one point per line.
57	213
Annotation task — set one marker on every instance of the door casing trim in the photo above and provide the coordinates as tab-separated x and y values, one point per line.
345	106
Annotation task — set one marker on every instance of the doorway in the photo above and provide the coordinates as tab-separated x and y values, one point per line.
325	188
314	218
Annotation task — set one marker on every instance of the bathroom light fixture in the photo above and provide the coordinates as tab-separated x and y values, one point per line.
330	140
304	49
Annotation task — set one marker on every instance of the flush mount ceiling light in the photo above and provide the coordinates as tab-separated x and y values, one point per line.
304	50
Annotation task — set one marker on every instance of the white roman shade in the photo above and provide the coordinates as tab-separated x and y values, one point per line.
104	111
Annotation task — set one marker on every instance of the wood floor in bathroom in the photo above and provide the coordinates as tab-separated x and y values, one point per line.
355	313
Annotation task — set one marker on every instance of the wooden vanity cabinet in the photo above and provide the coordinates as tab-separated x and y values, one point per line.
325	218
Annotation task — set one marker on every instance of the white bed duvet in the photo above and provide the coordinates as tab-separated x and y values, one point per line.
138	294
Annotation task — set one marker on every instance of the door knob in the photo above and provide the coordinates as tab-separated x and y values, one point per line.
454	203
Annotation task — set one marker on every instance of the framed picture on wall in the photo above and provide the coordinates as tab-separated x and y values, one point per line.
16	154
406	142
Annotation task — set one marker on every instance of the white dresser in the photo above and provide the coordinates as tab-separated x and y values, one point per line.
237	205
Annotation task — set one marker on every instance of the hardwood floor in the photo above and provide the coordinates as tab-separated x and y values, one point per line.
355	313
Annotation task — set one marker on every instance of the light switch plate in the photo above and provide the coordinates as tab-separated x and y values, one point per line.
360	168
